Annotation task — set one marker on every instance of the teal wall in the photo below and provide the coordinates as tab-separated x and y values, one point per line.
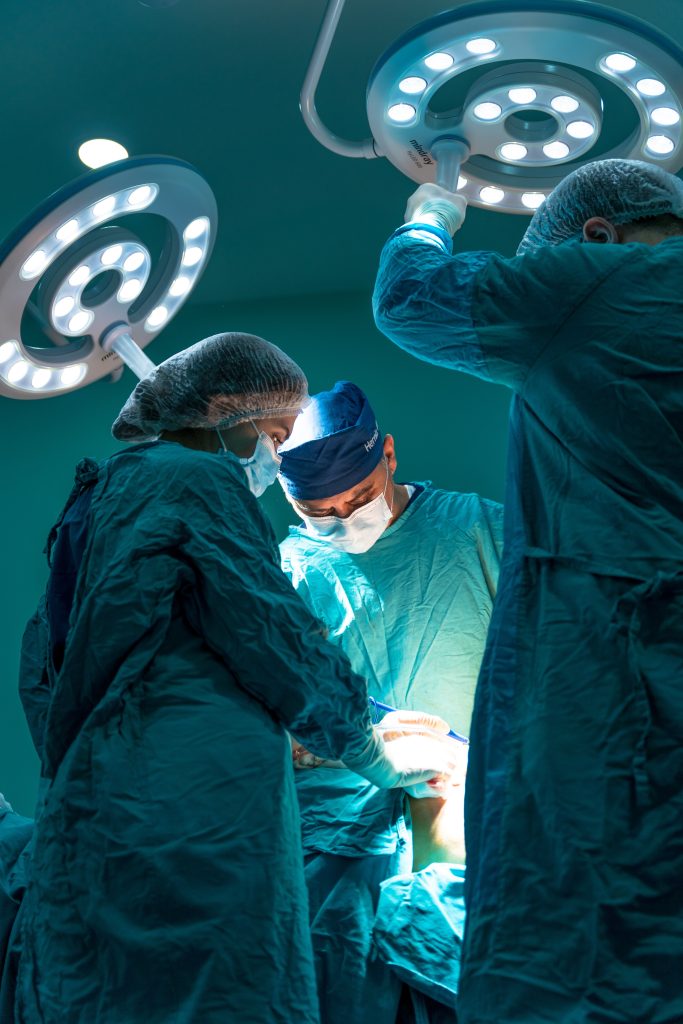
448	428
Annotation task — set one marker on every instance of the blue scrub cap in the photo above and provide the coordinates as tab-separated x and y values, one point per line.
221	381
334	445
621	191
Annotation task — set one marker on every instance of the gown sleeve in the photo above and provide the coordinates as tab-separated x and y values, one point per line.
478	312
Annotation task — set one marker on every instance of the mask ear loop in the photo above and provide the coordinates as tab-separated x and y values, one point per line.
220	438
393	490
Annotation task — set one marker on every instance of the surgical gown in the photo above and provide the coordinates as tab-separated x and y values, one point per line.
574	807
412	615
166	883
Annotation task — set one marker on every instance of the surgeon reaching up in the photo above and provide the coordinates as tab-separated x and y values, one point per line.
574	805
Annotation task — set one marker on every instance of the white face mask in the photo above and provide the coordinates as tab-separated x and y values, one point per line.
263	466
359	531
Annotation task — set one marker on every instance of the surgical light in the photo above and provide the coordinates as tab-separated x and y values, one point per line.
665	116
87	281
487	111
650	87
439	61
580	129
564	104
413	85
98	152
523	96
513	151
490	194
538	74
480	46
401	112
620	62
532	200
556	150
660	145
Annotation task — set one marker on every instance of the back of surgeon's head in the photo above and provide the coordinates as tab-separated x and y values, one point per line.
615	201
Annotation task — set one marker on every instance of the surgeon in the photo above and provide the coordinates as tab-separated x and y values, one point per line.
166	881
574	804
403	575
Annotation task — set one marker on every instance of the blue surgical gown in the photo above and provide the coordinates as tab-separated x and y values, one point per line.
574	808
412	615
166	883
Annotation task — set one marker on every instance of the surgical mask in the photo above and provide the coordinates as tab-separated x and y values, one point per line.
263	466
359	531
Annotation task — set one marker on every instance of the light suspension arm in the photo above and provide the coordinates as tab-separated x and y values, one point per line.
119	340
344	147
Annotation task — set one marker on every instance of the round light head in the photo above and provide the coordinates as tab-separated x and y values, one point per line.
95	274
540	79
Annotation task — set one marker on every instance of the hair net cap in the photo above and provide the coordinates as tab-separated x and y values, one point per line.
621	191
334	445
220	381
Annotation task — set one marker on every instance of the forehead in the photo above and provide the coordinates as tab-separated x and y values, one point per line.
348	495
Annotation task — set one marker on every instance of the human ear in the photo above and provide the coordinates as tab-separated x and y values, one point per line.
597	229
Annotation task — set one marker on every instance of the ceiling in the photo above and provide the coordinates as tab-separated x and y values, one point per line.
216	83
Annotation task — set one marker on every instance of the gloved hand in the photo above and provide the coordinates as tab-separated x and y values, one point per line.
406	761
431	204
411	721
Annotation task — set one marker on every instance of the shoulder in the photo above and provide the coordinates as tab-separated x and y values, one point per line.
461	506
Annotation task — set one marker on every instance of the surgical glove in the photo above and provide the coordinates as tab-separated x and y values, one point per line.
431	204
405	761
441	787
402	722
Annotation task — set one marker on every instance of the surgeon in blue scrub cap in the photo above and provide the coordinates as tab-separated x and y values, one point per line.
403	575
574	810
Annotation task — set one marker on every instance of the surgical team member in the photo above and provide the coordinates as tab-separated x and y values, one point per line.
403	576
166	881
574	805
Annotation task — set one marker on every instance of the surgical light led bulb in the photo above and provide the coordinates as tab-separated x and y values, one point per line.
532	200
491	194
665	116
556	150
487	111
580	129
401	112
180	286
522	95
40	378
462	181
412	86
141	196
79	321
79	276
621	62
36	262
68	231
7	349
63	306
661	145
196	228
17	371
104	207
157	317
192	256
99	152
513	151
71	375
111	255
439	61
564	104
480	46
133	262
650	87
129	290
